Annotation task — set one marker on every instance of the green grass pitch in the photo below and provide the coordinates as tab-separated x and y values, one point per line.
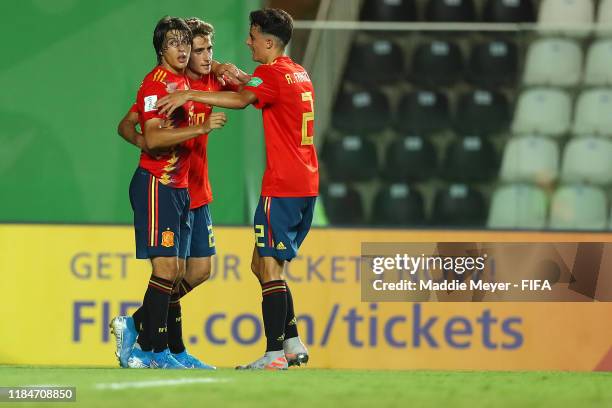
303	387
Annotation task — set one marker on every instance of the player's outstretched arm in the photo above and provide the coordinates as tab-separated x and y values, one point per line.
158	137
127	130
225	99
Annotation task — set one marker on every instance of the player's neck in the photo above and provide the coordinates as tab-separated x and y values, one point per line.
193	75
168	67
270	58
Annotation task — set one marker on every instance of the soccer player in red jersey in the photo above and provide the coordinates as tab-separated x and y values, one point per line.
158	190
283	91
201	244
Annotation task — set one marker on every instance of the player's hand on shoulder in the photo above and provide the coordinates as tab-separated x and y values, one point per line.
224	72
169	103
228	73
216	120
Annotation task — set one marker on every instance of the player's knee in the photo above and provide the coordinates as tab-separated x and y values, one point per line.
199	275
272	275
272	269
196	280
198	271
205	274
255	269
166	268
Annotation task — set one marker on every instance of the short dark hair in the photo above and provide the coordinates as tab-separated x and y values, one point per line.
199	27
273	21
164	25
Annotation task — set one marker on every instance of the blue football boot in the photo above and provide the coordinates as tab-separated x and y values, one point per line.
139	358
190	361
125	336
166	360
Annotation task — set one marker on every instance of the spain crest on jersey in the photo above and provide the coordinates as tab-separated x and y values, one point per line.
167	239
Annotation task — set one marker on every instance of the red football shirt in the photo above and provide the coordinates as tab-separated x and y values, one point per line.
286	97
199	183
170	168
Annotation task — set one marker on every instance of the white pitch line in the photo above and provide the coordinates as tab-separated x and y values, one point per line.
157	383
43	386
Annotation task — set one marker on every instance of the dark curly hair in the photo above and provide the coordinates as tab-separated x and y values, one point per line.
164	25
273	21
199	27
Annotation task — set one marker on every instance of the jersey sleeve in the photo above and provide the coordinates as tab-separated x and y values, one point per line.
134	108
148	96
264	85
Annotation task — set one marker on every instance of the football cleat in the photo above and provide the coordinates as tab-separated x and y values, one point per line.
165	360
272	360
139	358
190	361
295	352
122	327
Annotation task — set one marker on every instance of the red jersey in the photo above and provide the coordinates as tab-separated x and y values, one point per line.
199	183
170	168
286	97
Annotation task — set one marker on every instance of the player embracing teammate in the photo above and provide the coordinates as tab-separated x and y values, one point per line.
283	91
170	193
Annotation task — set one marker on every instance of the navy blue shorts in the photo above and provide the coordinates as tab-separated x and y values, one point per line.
202	240
161	217
281	224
